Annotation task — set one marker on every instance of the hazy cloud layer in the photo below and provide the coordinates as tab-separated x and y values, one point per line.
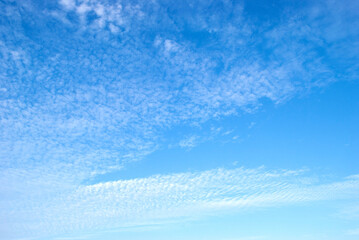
141	201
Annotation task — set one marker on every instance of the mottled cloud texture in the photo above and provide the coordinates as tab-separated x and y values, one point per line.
87	87
160	198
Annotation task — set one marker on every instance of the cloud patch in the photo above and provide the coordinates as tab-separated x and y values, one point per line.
161	198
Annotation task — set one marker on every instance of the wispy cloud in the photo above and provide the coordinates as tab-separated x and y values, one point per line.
141	201
96	101
188	142
97	86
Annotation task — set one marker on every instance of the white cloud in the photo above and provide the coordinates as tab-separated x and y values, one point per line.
170	46
96	103
111	14
113	28
188	142
82	102
68	4
141	201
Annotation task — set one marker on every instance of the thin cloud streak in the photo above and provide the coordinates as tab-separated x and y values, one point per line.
141	201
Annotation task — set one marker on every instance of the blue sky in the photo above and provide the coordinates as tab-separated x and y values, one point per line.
223	120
